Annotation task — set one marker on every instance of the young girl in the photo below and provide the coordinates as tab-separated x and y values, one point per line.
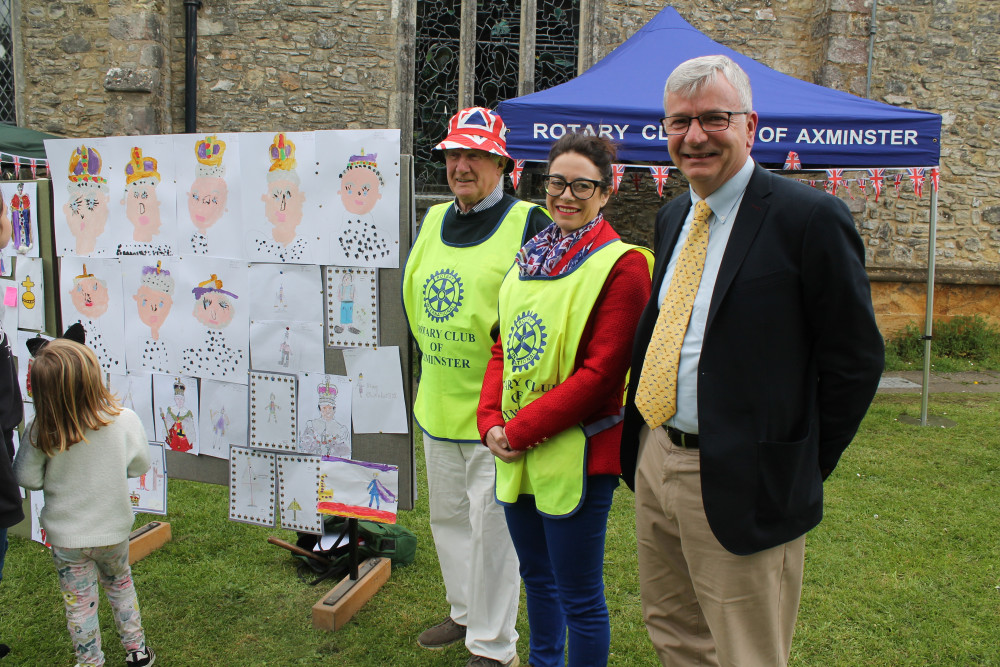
83	446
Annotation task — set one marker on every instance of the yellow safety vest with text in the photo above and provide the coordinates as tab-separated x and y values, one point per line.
542	319
450	297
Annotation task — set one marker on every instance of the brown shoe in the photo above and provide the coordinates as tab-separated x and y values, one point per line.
482	661
444	633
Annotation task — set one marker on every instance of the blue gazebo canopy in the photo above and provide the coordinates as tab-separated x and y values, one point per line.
622	97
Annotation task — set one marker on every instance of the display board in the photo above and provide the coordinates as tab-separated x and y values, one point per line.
227	246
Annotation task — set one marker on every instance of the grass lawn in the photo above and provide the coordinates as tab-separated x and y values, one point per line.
904	570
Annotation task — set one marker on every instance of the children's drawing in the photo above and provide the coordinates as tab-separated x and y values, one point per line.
86	208
358	489
217	332
298	484
21	219
94	288
272	411
223	415
135	391
36	503
21	201
377	385
352	307
211	224
148	492
251	486
142	206
283	237
175	400
31	293
154	298
286	346
24	361
286	292
366	215
325	415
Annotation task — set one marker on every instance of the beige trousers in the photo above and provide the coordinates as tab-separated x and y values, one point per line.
702	604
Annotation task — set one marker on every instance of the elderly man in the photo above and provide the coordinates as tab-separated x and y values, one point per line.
450	291
754	363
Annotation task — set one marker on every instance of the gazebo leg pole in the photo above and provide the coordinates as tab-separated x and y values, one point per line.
929	313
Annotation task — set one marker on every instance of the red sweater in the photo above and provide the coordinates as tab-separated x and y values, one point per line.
595	389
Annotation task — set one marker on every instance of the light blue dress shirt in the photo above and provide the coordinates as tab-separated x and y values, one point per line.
725	204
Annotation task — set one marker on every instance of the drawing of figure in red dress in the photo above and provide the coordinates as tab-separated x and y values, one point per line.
178	422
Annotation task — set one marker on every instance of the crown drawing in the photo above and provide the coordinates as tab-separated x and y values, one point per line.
178	387
327	393
140	167
209	153
282	153
363	161
85	167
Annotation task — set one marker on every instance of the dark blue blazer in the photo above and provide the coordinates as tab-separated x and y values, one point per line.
790	361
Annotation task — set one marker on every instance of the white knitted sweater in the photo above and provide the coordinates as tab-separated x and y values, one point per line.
86	488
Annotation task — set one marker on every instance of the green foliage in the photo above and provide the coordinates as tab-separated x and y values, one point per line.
965	342
903	571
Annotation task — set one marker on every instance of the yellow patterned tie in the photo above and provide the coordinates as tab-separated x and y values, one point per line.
656	395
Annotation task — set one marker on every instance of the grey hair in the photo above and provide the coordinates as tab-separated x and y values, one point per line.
691	76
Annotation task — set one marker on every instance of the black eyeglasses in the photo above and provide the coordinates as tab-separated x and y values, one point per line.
710	121
582	188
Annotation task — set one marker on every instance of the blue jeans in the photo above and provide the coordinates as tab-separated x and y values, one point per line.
562	565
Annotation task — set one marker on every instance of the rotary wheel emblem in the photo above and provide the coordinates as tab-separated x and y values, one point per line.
526	341
443	293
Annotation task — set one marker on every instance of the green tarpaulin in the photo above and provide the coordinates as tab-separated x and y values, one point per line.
23	142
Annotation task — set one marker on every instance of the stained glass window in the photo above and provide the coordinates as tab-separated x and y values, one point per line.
496	64
556	42
7	110
498	32
436	85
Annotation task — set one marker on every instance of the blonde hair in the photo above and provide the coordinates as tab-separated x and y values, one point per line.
70	397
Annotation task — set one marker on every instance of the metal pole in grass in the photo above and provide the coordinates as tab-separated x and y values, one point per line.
929	313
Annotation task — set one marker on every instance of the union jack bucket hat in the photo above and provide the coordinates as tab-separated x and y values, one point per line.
478	128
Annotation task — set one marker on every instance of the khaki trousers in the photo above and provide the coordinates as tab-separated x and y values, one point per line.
702	604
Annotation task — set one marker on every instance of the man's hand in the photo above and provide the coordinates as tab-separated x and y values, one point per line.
496	440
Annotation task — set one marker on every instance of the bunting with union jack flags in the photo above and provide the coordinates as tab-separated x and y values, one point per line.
897	181
863	186
917	176
617	171
660	174
834	179
877	177
935	177
792	162
515	173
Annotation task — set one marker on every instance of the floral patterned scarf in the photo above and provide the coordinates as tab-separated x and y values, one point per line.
546	248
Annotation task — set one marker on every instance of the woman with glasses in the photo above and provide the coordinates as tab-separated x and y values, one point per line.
550	409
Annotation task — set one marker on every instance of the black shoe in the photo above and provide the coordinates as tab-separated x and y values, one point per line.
4	650
142	658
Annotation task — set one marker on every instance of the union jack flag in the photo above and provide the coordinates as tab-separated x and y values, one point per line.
617	171
515	174
661	174
917	176
863	186
34	169
935	177
897	181
878	178
792	162
834	179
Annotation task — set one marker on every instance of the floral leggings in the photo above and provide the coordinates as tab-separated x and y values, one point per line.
79	572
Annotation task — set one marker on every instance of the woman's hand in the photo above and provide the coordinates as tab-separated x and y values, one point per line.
496	440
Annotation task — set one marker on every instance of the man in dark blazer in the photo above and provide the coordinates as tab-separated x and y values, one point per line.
778	364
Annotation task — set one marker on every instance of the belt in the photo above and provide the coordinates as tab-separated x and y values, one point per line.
682	439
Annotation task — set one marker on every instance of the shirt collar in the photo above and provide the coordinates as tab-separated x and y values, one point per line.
724	200
491	199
